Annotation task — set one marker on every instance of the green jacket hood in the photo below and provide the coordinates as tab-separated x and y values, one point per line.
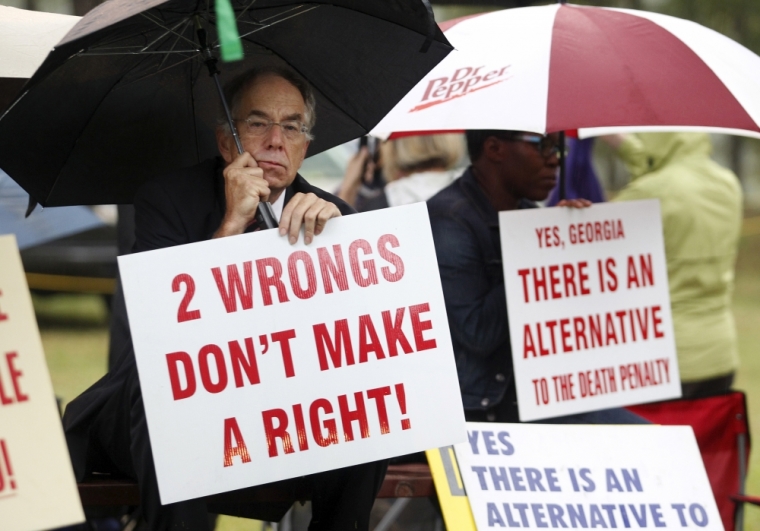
663	148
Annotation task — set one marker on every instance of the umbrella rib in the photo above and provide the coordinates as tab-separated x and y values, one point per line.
276	22
18	99
161	64
144	49
172	30
160	25
151	74
245	10
139	52
285	12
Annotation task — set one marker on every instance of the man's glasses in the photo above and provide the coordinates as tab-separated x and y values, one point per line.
258	126
545	144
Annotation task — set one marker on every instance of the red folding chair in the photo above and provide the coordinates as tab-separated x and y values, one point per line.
722	431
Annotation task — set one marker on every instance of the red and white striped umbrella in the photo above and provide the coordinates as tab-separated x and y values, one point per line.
565	67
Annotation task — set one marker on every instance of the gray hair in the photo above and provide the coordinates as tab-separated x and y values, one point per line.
234	90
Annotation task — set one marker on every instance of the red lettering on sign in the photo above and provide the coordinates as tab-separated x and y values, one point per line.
368	339
318	425
592	331
14	375
348	416
183	314
238	448
378	395
555	281
644	374
325	345
311	275
283	338
243	363
272	432
221	369
7	474
656	322
323	426
391	258
332	269
419	327
394	334
641	276
269	281
335	348
367	266
406	424
303	442
172	361
234	288
3	316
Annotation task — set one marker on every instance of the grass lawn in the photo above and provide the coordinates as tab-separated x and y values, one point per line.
747	315
74	333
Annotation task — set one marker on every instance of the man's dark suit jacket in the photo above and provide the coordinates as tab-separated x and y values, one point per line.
183	207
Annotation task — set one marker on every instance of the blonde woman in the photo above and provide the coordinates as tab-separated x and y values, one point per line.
414	167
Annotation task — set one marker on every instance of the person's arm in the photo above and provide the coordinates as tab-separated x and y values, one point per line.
358	170
477	312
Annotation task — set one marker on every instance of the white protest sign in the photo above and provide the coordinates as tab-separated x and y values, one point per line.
581	477
261	361
589	308
37	486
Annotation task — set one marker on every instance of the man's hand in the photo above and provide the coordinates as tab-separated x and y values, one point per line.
575	203
244	187
307	210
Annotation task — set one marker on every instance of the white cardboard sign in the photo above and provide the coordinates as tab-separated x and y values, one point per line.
37	487
586	477
589	308
261	361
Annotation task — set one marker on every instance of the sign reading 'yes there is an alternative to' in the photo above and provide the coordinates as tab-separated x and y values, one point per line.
262	361
589	308
543	476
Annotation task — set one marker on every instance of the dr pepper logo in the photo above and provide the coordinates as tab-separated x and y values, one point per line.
463	81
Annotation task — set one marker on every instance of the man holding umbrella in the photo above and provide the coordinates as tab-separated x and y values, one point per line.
105	426
125	96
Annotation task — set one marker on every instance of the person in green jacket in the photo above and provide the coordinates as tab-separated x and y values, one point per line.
701	206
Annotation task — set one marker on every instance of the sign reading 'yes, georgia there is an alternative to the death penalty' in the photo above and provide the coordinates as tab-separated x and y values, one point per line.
589	308
261	361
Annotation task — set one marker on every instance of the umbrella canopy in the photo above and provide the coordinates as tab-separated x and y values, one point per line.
563	67
26	37
43	225
126	95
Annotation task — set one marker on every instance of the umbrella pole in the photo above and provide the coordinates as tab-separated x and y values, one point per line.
265	208
562	179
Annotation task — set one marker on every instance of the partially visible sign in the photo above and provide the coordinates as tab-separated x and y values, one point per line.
586	477
449	487
261	361
589	308
37	487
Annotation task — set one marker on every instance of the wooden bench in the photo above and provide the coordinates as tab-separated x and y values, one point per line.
401	481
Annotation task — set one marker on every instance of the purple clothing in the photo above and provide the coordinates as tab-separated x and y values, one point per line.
581	181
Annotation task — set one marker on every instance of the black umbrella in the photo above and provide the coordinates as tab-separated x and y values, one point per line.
126	95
